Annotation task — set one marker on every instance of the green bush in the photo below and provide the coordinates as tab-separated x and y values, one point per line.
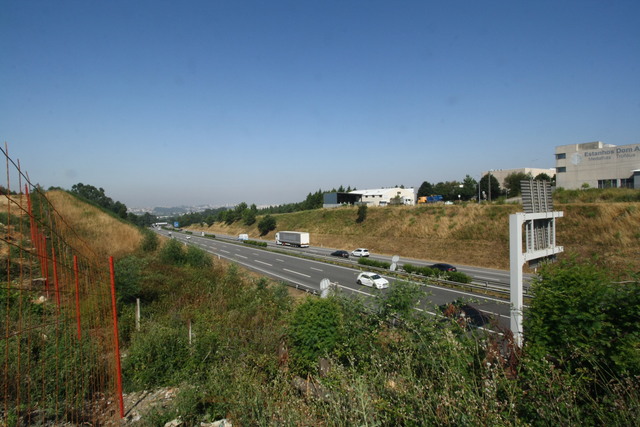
454	276
156	357
150	241
374	263
128	274
579	317
256	243
173	253
314	330
196	257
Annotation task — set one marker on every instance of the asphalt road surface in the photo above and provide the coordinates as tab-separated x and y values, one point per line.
285	264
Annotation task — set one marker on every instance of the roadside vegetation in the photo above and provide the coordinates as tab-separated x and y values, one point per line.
258	356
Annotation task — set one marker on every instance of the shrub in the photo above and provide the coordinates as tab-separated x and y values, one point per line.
581	318
150	241
314	330
196	257
374	263
128	274
172	253
256	243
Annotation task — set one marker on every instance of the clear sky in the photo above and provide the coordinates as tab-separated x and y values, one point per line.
167	103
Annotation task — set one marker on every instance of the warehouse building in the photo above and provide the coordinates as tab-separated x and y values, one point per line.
598	165
376	197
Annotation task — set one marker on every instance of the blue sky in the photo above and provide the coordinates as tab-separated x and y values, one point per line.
166	103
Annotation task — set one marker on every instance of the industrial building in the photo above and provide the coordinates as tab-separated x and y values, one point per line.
597	165
376	197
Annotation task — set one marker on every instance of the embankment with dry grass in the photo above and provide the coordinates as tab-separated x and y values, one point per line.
466	234
86	226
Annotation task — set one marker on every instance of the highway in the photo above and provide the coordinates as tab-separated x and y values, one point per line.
305	273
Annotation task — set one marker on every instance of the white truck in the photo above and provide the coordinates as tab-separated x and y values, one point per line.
293	238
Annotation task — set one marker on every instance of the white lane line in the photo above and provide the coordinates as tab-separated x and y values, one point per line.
241	256
262	262
316	269
226	252
280	260
295	272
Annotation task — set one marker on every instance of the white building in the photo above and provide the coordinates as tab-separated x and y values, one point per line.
387	196
597	165
376	197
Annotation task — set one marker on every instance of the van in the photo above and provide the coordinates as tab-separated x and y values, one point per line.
243	237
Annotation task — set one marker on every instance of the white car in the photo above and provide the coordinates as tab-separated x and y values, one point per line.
372	279
360	252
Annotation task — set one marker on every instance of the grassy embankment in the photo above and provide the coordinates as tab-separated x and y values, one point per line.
465	234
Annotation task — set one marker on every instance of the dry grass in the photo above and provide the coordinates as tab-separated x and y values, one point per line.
103	233
468	234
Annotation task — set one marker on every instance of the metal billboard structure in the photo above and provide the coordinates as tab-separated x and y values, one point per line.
539	221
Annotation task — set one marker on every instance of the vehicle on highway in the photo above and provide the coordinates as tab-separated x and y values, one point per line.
444	267
360	252
372	279
342	254
293	238
243	237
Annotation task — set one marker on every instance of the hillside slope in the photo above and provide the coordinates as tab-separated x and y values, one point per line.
92	227
467	234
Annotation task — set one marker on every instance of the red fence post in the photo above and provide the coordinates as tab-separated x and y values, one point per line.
75	271
115	335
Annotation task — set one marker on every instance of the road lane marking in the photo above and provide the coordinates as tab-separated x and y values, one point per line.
226	252
262	262
295	272
316	269
281	260
241	256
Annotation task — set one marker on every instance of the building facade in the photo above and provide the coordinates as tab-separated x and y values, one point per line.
376	197
598	165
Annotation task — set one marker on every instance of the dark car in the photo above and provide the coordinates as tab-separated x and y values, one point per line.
343	254
444	267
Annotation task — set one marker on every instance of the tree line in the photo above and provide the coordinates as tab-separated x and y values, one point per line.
487	189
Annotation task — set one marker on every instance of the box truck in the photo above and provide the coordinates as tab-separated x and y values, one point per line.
293	238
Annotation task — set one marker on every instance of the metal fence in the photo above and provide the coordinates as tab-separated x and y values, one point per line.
58	334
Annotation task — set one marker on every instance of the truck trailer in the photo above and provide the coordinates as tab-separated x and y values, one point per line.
293	238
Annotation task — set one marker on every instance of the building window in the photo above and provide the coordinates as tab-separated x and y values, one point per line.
561	156
561	169
626	183
607	183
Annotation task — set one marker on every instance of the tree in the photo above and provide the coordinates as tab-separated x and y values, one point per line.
426	189
469	188
362	213
266	224
512	183
494	192
249	217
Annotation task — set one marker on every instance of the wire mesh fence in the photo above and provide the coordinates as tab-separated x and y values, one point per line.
59	330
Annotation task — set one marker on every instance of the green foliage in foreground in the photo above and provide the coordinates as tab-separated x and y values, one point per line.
389	364
583	320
